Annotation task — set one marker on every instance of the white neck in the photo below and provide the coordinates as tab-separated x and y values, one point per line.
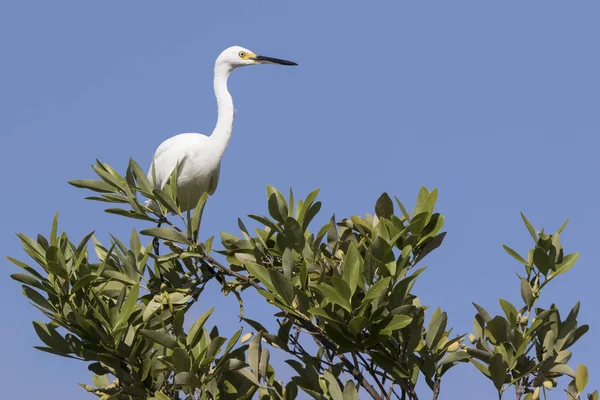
222	132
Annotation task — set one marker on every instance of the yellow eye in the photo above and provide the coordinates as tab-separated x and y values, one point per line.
242	54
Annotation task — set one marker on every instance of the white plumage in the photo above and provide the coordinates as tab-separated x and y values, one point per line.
199	156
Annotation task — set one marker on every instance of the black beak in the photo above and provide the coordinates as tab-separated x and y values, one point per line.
274	60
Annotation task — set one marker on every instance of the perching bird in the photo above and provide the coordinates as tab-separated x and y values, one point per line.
199	156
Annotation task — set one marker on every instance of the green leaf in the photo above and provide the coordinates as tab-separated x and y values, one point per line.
187	379
350	392
310	214
563	369
353	264
510	311
159	336
484	314
581	378
529	227
287	263
498	371
26	267
196	329
498	330
436	330
283	286
397	322
37	298
457	356
403	209
332	384
96	186
515	255
294	235
160	396
128	306
526	293
181	360
421	201
130	214
567	263
377	289
341	287
48	334
166	200
197	216
277	207
254	352
384	206
542	260
28	280
260	273
140	177
331	294
167	234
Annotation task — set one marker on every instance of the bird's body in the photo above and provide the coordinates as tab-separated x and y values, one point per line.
199	166
199	156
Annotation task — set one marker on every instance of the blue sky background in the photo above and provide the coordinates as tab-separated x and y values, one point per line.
494	103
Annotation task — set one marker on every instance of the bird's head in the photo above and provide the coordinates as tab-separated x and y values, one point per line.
237	56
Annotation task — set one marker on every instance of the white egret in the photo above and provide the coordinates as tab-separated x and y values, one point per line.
199	156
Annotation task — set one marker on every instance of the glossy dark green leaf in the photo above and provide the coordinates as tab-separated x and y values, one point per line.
542	260
384	206
497	369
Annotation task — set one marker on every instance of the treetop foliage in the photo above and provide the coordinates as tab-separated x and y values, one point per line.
342	295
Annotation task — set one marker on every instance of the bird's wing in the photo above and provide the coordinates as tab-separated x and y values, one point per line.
168	154
214	180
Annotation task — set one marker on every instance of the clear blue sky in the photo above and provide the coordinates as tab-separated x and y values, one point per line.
494	103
